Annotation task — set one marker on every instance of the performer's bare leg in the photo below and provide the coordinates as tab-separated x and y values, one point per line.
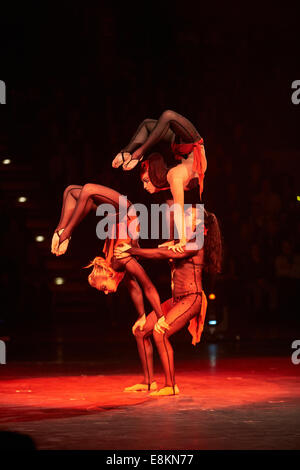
89	197
70	198
145	350
177	317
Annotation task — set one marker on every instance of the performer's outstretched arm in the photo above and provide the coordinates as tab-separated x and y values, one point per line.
137	298
160	253
136	293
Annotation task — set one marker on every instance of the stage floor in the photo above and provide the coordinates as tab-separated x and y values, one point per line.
242	401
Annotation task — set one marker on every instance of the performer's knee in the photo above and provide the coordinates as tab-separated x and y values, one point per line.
167	115
139	334
69	188
88	188
158	337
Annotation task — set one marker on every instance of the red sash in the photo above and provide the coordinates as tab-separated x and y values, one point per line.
113	240
197	323
199	163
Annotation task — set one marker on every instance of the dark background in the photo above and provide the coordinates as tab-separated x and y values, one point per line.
80	77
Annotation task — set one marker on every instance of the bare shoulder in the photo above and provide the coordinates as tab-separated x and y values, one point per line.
177	173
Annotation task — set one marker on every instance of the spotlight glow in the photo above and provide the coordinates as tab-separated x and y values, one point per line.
6	161
298	198
22	199
59	281
212	322
212	296
39	238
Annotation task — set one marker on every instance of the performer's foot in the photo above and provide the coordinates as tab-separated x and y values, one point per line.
166	391
141	387
131	163
121	159
63	246
55	240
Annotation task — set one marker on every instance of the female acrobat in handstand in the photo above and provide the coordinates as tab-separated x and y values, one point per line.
187	146
107	273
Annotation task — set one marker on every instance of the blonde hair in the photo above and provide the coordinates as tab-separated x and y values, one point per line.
104	277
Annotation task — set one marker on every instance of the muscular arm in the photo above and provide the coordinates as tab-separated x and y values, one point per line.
168	121
177	190
135	293
161	253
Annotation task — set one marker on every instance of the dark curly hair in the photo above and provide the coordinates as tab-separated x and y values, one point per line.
157	170
212	244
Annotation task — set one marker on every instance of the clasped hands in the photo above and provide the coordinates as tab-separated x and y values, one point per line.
120	250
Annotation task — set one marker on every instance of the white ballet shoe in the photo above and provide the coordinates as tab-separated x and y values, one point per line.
141	387
121	159
165	392
55	240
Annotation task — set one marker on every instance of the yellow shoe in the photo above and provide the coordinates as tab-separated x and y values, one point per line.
141	387
62	248
55	241
166	391
120	159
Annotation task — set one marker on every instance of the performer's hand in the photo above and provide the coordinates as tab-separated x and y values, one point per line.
170	243
161	325
122	255
120	251
140	323
178	247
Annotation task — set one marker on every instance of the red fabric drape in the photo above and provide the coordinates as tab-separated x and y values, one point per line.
199	163
113	240
196	324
